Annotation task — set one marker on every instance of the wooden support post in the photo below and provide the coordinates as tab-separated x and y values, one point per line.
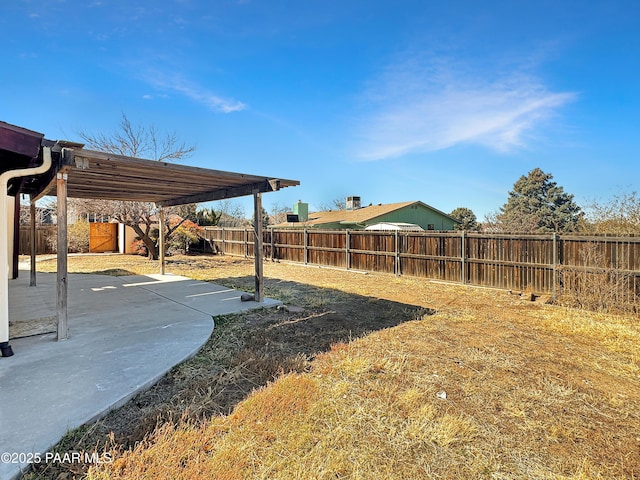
62	246
257	245
161	241
16	237
34	247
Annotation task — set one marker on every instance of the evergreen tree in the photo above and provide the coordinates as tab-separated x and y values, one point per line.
207	217
467	217
265	219
537	205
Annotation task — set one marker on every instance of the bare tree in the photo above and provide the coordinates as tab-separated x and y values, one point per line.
278	213
232	215
493	223
618	215
338	203
138	141
25	215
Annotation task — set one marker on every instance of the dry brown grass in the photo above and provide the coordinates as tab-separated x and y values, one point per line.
490	386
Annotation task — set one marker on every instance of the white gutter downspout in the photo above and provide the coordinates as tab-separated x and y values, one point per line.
4	251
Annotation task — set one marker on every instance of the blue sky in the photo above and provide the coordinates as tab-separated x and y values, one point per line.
444	102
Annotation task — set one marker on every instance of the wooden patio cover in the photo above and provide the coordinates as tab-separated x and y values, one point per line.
98	175
80	173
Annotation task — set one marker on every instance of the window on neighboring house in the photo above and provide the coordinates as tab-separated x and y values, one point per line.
431	226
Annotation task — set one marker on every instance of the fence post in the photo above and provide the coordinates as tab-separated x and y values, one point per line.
246	242
347	241
397	245
272	245
463	255
555	266
305	251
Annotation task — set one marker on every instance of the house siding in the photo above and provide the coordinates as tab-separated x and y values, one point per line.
333	226
419	215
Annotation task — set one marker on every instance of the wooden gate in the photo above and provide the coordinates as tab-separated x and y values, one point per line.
103	237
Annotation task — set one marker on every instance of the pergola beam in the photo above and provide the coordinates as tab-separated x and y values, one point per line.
98	175
221	194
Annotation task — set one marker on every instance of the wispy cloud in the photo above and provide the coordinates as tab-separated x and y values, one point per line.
427	105
195	92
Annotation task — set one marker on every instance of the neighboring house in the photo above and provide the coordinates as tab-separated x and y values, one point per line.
393	226
416	213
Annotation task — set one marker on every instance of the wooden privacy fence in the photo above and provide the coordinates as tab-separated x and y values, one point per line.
43	233
548	264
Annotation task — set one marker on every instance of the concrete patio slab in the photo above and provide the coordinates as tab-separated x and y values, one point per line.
124	334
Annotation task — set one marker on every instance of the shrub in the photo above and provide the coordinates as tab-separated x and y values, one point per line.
183	236
599	283
139	247
77	238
